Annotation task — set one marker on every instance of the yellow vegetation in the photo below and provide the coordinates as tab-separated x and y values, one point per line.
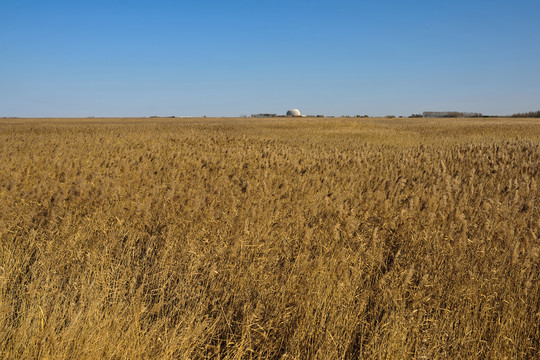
269	238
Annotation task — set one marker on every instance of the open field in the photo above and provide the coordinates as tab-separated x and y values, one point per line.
269	238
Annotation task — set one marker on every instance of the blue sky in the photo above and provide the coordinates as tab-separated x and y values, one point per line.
228	58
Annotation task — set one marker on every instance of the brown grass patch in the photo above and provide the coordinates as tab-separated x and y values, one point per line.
280	238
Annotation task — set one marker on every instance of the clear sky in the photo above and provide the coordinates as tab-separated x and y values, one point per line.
228	58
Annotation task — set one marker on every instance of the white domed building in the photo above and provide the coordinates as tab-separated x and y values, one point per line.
294	112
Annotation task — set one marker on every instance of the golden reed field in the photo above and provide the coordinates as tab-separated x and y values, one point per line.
282	238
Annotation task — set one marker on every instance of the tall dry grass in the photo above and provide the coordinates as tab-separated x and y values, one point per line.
242	238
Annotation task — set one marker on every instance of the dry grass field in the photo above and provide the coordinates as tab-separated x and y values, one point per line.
269	238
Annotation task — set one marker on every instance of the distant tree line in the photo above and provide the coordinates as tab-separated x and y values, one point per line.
263	115
530	114
450	114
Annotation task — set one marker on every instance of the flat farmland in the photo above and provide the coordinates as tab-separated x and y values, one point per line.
282	238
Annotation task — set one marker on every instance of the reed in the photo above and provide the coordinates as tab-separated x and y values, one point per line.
269	238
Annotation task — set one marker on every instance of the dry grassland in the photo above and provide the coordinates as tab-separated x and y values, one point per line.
269	238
